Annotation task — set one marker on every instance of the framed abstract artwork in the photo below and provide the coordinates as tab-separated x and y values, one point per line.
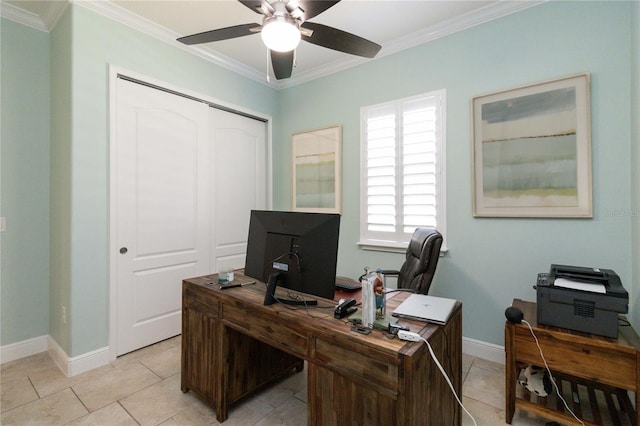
316	168
532	150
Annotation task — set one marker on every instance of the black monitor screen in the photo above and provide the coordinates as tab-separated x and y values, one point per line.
301	247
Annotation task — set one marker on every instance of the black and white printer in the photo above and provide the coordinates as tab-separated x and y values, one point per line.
582	299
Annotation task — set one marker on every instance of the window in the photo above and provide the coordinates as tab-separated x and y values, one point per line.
402	170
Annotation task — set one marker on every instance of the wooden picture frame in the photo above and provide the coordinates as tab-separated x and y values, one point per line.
316	170
532	150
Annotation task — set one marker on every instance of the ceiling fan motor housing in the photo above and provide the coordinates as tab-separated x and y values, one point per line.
280	32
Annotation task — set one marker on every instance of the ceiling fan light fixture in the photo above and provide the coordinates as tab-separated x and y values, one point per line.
280	33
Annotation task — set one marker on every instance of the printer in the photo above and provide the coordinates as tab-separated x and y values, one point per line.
582	299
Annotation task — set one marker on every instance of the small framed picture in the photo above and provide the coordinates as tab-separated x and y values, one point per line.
316	165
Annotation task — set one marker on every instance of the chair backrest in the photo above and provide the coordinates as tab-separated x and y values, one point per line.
422	257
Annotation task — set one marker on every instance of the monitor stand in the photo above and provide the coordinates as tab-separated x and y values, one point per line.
270	299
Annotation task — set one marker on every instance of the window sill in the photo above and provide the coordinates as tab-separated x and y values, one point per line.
390	247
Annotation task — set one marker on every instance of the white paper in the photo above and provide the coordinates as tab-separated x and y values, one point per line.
580	285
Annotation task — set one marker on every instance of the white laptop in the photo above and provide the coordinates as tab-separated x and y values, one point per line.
421	307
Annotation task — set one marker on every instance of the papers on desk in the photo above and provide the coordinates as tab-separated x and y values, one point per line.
593	287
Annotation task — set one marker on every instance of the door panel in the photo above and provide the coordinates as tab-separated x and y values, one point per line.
167	178
161	283
239	164
162	209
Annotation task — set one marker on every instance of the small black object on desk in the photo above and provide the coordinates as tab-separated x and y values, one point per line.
347	284
234	285
345	308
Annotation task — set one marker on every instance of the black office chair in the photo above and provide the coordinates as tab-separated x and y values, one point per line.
422	257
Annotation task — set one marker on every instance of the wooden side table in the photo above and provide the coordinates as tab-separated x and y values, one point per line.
610	365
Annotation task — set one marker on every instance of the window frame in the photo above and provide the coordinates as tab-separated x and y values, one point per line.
370	240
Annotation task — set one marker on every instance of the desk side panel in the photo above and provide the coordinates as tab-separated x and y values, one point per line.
199	317
429	399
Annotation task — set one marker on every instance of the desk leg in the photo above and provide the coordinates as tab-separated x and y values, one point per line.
222	375
511	375
312	409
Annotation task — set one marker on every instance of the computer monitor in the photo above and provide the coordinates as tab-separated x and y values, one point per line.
294	250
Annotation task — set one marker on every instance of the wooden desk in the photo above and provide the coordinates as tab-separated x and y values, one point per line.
608	365
232	345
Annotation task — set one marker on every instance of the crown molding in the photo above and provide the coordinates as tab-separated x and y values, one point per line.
55	9
21	16
150	28
112	11
55	13
442	29
459	23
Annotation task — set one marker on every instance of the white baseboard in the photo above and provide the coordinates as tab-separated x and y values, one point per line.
483	350
78	364
23	349
58	355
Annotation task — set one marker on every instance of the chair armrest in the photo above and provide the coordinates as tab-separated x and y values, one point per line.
391	272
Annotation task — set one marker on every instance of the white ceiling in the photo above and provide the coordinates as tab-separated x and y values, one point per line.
396	25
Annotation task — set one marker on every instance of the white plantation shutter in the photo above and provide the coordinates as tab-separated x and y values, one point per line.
381	154
402	165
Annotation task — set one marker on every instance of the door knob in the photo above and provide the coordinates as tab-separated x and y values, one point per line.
123	250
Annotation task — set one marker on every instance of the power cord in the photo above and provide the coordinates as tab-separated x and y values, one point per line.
395	290
550	375
515	316
415	337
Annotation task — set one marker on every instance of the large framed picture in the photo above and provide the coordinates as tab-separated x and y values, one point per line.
532	150
316	165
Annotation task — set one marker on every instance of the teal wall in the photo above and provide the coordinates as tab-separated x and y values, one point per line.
24	246
491	261
61	182
96	43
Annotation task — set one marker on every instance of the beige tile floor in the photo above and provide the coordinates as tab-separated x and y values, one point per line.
143	388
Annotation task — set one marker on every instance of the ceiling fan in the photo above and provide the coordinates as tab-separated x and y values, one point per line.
284	24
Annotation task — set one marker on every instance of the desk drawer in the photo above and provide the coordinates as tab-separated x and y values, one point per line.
371	367
280	335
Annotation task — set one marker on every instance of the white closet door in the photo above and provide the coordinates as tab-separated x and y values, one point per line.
162	209
238	160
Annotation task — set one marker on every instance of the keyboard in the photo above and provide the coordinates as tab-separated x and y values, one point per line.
347	284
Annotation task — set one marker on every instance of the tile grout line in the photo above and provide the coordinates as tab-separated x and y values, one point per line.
25	403
127	411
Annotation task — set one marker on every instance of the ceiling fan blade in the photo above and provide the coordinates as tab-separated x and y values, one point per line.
339	40
282	63
311	8
221	34
254	5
